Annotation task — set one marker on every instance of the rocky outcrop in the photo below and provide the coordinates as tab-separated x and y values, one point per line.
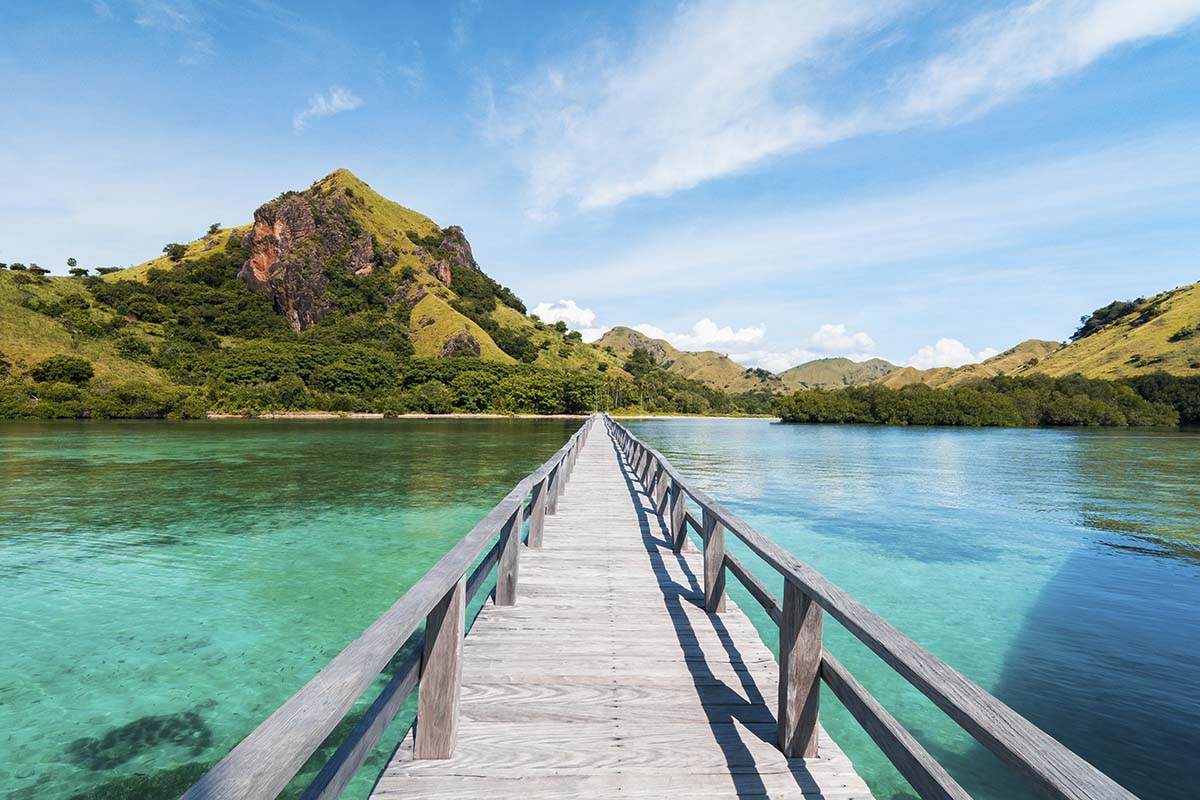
291	245
283	265
460	344
453	251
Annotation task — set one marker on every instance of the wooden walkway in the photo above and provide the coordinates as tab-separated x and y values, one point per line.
607	677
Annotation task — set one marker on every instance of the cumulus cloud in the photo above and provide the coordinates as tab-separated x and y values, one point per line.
707	335
336	101
829	340
772	360
666	115
948	353
834	339
576	318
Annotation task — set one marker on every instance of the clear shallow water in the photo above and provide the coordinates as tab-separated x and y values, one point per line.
1058	569
165	586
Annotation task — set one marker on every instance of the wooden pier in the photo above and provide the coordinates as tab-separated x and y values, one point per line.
610	663
608	678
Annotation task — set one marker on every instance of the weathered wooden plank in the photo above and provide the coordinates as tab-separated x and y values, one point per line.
1039	759
756	588
609	676
339	770
441	676
537	516
266	760
921	770
799	673
714	564
508	565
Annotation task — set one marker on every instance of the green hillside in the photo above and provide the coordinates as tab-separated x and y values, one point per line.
334	299
710	368
830	373
1018	360
1135	337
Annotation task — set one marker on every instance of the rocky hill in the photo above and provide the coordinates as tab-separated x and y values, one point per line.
712	369
830	373
317	251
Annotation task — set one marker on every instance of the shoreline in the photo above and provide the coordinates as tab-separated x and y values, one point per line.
326	415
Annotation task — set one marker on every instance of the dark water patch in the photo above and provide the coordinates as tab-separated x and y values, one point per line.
1100	621
1145	537
118	745
162	784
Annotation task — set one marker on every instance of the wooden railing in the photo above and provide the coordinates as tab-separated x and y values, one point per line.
1039	759
267	760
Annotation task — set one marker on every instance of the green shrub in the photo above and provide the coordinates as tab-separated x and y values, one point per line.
62	368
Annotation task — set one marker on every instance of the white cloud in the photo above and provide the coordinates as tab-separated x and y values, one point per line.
1000	54
336	101
723	85
177	18
826	341
948	353
576	318
773	361
693	99
960	215
834	339
707	335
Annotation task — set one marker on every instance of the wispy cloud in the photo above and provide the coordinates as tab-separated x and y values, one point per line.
723	85
957	216
336	101
999	54
180	20
461	19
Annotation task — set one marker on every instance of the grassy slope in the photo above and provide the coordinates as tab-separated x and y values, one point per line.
390	222
558	353
433	322
27	337
1111	351
829	373
1013	361
714	369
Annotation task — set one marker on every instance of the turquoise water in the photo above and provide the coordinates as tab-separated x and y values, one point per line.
1060	569
165	586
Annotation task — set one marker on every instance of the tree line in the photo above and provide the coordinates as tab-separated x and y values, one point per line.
1004	401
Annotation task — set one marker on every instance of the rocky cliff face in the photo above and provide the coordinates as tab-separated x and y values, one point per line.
297	240
294	243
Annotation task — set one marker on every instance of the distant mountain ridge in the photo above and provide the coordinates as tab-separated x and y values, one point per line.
713	369
1123	339
830	373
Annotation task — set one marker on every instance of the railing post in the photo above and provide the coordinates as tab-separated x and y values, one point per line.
799	673
441	675
678	517
661	488
552	482
537	513
507	566
714	564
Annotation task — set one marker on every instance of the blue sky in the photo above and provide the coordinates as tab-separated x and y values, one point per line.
925	182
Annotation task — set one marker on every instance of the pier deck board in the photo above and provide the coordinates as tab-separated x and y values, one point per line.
608	678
